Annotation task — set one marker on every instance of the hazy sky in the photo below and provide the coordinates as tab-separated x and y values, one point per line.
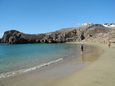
37	16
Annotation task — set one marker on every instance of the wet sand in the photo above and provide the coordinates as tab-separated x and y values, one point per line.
54	74
99	73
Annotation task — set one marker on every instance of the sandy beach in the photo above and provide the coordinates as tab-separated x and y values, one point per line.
99	73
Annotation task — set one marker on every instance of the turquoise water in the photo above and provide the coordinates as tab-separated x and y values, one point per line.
23	56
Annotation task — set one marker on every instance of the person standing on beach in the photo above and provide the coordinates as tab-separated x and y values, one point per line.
82	37
82	54
82	48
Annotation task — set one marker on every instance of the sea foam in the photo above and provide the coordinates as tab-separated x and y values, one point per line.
14	73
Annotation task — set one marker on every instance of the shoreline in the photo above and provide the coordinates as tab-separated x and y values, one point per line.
99	73
52	75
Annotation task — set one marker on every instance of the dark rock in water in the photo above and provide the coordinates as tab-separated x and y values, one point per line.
60	36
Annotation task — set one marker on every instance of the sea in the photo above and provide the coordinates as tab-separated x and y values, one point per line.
22	58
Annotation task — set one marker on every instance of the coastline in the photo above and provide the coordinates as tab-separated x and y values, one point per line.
99	73
51	76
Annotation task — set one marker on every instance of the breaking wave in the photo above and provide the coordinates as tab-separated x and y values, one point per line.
14	73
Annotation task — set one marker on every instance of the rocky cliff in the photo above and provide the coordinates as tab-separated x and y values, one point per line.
64	35
16	37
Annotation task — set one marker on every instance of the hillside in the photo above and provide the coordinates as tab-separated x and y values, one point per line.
84	32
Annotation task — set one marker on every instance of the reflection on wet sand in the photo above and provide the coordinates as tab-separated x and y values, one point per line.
90	57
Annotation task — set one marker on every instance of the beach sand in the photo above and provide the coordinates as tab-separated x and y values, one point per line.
99	73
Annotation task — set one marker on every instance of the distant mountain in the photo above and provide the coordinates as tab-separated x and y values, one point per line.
84	32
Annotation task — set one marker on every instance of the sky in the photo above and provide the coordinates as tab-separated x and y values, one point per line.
41	16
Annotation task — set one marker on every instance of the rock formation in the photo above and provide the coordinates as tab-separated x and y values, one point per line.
64	35
16	37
